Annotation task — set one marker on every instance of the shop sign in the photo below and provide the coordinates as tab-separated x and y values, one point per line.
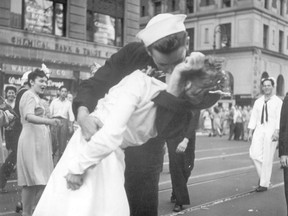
13	80
30	40
21	69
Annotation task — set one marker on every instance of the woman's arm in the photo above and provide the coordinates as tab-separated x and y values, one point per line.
126	97
40	120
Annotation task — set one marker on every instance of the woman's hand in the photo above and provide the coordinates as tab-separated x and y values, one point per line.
55	122
10	116
74	181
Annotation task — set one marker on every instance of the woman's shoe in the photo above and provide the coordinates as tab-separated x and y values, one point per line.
19	207
177	208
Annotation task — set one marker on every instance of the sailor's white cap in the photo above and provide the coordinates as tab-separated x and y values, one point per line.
24	77
161	26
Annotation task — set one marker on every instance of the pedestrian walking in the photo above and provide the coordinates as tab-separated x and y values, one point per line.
61	108
264	131
217	121
34	155
231	121
207	122
6	118
238	122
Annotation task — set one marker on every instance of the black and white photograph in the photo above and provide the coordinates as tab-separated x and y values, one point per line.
143	107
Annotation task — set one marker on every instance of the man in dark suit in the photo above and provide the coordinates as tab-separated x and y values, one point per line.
283	144
181	151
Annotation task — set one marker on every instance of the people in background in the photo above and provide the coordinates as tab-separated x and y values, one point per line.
34	155
61	108
217	121
10	163
264	132
231	121
207	122
238	122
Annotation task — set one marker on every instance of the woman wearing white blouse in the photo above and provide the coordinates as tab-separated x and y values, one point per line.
89	178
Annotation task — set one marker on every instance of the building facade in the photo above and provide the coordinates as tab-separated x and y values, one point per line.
66	35
251	34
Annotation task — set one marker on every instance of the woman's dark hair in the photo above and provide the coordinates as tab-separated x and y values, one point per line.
61	87
34	74
13	88
169	43
271	79
211	74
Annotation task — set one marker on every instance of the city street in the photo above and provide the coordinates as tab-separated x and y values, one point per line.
222	184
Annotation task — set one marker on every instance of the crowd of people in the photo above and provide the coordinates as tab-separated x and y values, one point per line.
231	121
147	94
28	139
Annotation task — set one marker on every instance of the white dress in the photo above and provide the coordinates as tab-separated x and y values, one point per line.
128	115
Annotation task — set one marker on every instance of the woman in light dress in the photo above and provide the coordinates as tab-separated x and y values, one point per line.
34	156
89	178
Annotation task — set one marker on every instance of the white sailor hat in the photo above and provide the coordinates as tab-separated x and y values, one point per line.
161	26
24	77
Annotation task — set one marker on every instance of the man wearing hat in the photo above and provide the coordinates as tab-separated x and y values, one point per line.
164	44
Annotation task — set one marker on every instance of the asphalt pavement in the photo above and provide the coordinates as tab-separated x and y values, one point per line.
222	183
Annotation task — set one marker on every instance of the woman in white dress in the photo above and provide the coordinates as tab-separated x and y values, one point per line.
89	178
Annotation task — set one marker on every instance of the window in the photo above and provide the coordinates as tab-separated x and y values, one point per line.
226	3
207	2
266	4
281	40
173	5
225	35
143	11
265	36
45	16
282	7
190	32
16	14
190	6
273	37
104	29
157	7
206	35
